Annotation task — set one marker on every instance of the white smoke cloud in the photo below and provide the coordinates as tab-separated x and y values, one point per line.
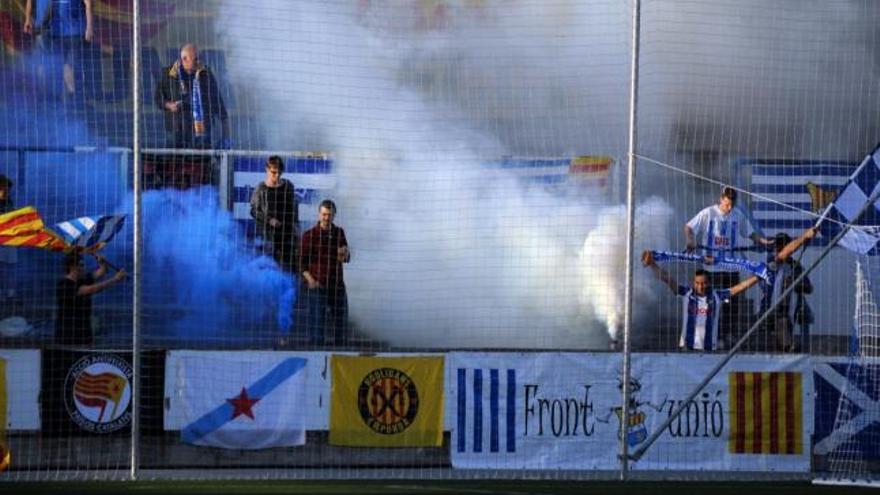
446	252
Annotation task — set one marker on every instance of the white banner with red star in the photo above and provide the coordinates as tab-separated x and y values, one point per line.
238	400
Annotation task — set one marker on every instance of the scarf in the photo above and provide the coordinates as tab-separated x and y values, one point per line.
757	268
198	113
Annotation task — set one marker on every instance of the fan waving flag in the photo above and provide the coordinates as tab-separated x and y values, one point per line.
86	232
24	228
864	235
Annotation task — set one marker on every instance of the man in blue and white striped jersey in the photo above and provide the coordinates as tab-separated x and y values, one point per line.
700	306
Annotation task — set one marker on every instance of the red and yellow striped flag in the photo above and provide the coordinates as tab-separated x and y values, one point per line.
24	228
590	170
766	413
5	455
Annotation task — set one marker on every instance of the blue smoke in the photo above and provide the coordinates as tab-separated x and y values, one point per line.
202	283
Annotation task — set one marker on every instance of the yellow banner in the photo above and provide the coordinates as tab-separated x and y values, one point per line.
386	401
5	455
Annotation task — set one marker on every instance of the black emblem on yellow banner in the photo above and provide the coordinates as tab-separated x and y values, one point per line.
388	400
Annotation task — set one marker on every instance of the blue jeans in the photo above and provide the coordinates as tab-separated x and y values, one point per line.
326	314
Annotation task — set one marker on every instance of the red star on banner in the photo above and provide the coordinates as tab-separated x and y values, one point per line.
242	404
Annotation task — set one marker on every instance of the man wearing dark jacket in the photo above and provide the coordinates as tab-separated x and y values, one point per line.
323	250
188	94
275	209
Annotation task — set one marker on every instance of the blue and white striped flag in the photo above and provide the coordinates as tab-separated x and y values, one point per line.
86	232
864	235
789	195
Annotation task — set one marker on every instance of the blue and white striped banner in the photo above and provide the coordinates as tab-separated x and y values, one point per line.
311	175
782	200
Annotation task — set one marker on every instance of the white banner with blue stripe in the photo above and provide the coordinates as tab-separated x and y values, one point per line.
239	400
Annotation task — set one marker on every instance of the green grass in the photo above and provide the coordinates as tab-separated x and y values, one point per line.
400	487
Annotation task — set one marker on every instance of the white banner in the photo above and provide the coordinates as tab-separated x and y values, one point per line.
755	415
562	411
533	411
316	407
23	388
239	400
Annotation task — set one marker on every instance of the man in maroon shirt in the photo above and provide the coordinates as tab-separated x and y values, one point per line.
323	250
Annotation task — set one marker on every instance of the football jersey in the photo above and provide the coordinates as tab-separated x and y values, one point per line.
720	234
699	325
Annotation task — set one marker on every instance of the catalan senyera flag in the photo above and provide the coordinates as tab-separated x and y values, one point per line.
5	455
386	401
590	170
766	413
97	390
24	228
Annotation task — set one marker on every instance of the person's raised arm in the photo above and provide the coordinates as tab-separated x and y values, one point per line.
88	290
102	266
795	244
648	260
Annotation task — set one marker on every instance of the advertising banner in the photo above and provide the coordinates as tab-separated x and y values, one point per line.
563	411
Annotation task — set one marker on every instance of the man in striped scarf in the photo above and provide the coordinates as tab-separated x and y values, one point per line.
190	98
